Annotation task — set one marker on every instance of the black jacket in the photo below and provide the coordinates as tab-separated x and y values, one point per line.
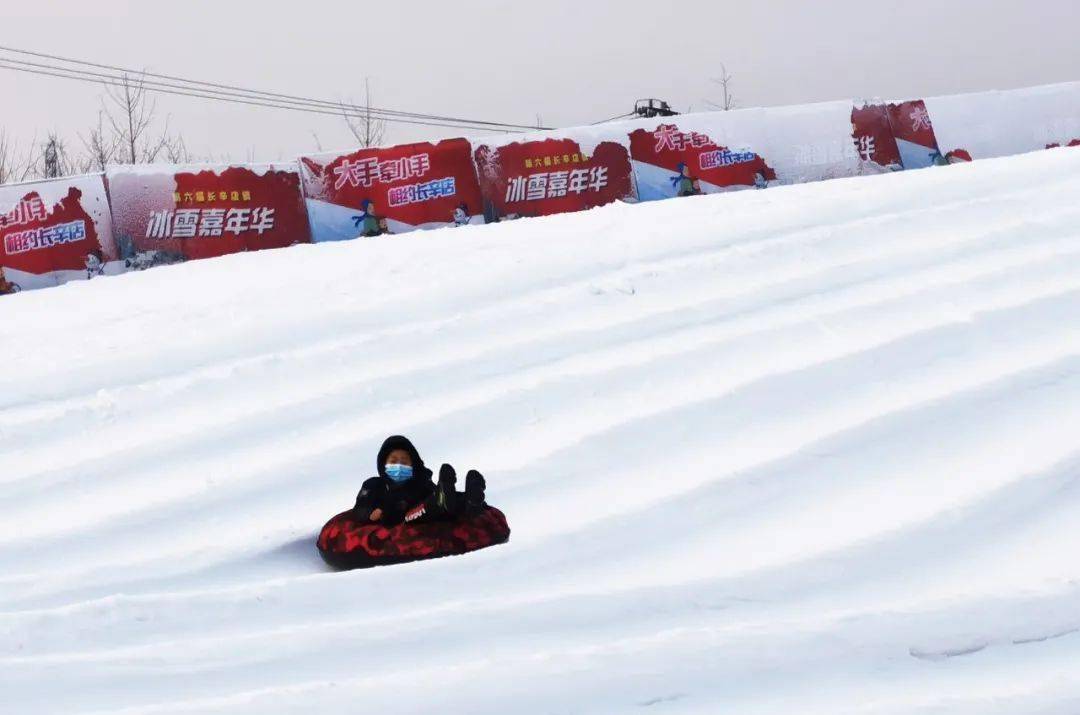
395	499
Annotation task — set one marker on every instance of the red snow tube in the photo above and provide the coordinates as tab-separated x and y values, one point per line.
348	544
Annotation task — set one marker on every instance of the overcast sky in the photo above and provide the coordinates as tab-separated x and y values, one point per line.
569	61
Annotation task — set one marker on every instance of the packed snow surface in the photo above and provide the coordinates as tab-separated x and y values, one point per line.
812	449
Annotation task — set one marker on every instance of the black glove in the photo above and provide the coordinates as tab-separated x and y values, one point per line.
373	493
475	485
447	477
445	492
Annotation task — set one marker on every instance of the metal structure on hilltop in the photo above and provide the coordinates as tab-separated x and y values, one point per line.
649	108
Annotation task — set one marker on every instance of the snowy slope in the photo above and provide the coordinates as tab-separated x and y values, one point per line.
811	449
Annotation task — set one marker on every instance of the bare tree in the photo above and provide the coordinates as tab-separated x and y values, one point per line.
14	166
728	101
130	113
176	151
365	127
100	148
127	130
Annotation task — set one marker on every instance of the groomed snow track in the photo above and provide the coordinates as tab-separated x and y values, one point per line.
806	450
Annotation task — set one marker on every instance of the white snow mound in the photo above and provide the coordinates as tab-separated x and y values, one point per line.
812	449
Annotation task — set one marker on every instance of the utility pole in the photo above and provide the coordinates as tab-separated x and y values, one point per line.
52	158
368	138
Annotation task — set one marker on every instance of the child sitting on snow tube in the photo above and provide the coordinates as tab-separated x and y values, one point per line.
401	515
403	491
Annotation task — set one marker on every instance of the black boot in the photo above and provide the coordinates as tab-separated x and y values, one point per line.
474	493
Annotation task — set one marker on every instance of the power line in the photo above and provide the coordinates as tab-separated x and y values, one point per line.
266	95
162	88
267	98
271	105
112	81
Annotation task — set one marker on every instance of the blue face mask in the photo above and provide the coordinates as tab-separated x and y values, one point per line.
399	472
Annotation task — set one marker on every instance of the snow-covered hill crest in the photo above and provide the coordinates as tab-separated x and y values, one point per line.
809	449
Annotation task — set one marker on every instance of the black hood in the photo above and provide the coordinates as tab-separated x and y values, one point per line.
399	442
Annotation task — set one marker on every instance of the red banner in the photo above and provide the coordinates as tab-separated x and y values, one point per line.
873	136
176	214
692	163
391	190
539	178
53	231
914	132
